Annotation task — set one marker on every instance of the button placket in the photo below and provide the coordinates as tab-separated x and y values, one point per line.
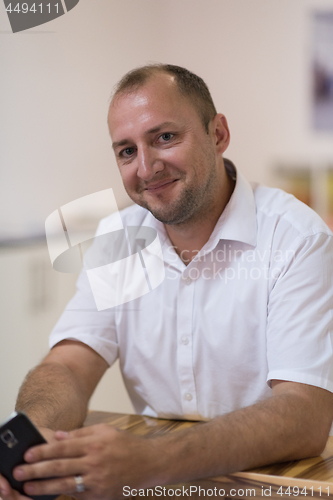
184	346
188	396
185	340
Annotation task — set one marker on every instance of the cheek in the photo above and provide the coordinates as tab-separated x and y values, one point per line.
128	177
178	157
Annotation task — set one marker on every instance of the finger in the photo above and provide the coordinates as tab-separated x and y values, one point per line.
7	493
5	489
49	468
56	449
66	486
62	435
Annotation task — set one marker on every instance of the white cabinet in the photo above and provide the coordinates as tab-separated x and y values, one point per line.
32	297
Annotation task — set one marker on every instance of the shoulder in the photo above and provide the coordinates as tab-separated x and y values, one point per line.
133	215
129	216
282	209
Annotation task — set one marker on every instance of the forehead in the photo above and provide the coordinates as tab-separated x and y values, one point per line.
157	101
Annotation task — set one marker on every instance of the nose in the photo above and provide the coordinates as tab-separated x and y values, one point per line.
148	163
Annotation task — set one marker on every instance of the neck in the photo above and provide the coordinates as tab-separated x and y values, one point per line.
189	237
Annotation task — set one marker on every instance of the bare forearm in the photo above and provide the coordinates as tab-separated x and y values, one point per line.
52	397
294	423
276	430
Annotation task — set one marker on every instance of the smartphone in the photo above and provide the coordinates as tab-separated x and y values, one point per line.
17	434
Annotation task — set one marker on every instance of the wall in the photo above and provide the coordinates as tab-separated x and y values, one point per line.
56	81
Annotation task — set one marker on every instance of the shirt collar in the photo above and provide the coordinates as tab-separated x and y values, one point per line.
238	221
150	221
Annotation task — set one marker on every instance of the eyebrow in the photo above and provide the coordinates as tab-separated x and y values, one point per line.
150	131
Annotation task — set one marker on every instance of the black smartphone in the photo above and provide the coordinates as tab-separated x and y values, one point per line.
17	434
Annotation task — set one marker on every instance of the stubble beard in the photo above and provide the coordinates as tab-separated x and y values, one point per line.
193	202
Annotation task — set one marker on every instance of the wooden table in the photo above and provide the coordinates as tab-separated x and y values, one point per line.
304	479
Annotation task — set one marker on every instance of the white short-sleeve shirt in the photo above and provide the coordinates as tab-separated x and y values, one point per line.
254	305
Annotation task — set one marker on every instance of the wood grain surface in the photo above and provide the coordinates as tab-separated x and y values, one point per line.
304	479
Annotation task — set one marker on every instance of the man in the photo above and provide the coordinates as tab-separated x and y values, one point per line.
238	333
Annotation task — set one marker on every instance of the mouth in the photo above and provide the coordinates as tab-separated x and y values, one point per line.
160	186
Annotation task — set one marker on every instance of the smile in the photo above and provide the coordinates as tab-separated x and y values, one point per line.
160	186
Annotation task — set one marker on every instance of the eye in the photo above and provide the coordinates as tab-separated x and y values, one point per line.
127	152
167	136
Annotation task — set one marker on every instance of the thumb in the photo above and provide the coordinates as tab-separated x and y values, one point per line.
61	435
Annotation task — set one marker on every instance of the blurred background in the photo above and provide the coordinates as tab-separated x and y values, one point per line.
269	66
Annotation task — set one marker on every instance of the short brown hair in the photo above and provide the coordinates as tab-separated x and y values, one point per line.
190	85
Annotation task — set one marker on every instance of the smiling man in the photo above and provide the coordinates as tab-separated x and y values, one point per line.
170	157
238	334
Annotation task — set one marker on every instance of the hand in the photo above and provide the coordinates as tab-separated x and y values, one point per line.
107	459
48	434
6	491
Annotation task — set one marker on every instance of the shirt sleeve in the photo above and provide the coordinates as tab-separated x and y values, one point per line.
81	319
83	322
300	319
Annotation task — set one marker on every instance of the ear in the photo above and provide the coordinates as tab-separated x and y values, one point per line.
221	133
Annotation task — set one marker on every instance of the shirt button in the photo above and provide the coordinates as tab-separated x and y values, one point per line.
187	280
188	396
185	340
